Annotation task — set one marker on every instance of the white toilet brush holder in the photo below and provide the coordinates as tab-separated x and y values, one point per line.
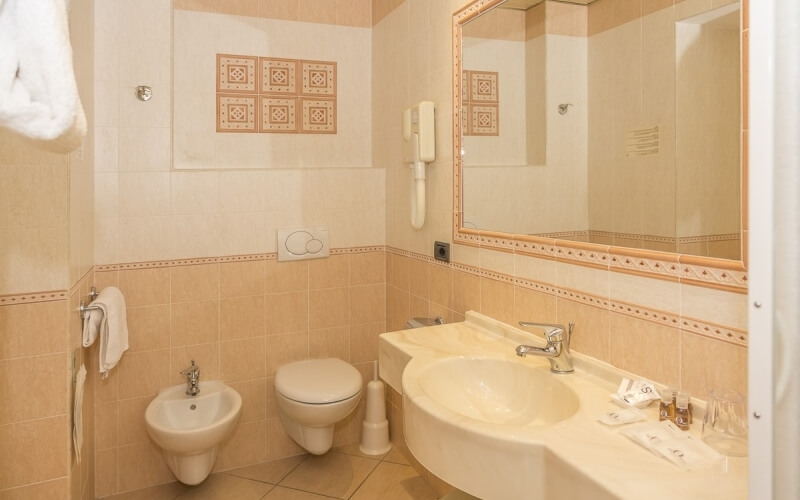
375	429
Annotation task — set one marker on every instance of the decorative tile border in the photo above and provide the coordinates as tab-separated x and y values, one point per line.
30	298
275	95
691	325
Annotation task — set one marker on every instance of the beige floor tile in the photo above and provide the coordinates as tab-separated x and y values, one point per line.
223	487
396	457
394	482
269	472
161	492
281	493
353	449
333	474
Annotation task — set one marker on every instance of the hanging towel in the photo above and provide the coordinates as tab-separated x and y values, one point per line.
113	327
38	94
91	326
77	413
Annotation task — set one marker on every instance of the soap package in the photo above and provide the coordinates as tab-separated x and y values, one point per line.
635	393
664	439
620	417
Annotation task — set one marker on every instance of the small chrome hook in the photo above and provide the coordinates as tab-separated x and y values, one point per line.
144	93
563	108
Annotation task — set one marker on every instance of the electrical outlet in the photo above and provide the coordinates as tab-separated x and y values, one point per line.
441	251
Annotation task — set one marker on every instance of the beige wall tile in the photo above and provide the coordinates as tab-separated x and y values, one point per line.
280	444
131	421
194	323
242	359
287	312
530	305
31	329
145	287
354	13
143	373
29	455
106	474
287	276
57	489
710	364
644	348
42	376
497	300
239	7
333	272
316	11
466	292
368	268
237	279
141	465
278	9
254	398
400	271
106	425
282	349
591	333
367	304
397	308
247	446
419	278
242	317
206	356
364	341
330	343
441	285
191	283
148	328
328	308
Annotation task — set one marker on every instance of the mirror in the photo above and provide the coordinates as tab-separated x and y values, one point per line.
593	131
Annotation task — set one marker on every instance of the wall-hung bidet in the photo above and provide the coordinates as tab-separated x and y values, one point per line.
189	422
312	396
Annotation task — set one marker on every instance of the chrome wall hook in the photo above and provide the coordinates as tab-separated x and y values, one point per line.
563	108
144	93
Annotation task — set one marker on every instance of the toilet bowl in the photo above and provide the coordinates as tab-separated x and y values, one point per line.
189	429
313	395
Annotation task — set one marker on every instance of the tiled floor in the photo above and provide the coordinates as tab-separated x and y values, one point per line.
342	473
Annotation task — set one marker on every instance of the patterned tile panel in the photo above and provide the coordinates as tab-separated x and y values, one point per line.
483	119
236	113
319	78
319	116
483	86
236	74
278	114
278	76
480	107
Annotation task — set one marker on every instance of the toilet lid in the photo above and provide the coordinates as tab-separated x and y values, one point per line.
318	381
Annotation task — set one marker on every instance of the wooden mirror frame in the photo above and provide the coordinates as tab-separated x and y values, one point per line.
708	272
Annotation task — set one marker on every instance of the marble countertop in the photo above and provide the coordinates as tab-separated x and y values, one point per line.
600	453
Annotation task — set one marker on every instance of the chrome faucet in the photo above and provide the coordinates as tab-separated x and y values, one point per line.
192	379
557	348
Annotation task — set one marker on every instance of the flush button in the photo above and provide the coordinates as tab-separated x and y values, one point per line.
302	243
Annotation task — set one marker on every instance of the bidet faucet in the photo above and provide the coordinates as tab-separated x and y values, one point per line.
192	379
557	348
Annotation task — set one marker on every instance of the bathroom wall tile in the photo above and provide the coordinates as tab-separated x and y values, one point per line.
644	348
194	323
354	13
57	489
28	452
530	305
238	279
419	278
196	282
316	11
254	398
282	349
708	364
242	359
287	312
418	308
39	375
106	425
466	292
287	276
497	300
367	304
364	341
31	329
242	317
657	294
106	474
148	328
441	285
330	343
141	465
105	390
587	279
206	356
397	308
280	445
368	268
333	272
591	335
143	373
399	274
194	192
145	287
718	306
144	193
328	308
278	9
131	421
271	405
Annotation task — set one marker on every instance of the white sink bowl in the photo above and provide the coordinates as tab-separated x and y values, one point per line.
498	391
190	428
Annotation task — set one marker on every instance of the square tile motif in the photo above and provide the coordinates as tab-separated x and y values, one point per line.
278	114
236	113
483	86
483	118
236	74
319	78
278	76
319	116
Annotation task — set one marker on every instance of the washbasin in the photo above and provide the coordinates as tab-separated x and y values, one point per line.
498	391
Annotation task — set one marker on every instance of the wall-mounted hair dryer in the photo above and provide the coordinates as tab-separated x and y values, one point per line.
419	148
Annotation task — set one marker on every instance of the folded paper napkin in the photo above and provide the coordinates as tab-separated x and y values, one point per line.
38	93
108	321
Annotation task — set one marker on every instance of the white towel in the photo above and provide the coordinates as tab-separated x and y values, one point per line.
113	327
38	94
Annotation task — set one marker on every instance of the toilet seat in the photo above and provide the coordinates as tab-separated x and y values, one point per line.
318	381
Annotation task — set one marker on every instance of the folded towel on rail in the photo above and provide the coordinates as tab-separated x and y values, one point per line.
38	93
107	319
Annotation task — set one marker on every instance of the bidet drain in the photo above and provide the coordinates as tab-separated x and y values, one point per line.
193	407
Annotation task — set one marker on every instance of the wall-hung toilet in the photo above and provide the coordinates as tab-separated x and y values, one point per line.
313	395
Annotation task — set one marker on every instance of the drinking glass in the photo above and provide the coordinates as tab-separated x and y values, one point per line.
725	422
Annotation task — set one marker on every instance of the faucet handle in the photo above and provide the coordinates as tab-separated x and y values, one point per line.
191	371
553	332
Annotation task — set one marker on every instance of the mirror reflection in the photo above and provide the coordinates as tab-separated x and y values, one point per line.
595	123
